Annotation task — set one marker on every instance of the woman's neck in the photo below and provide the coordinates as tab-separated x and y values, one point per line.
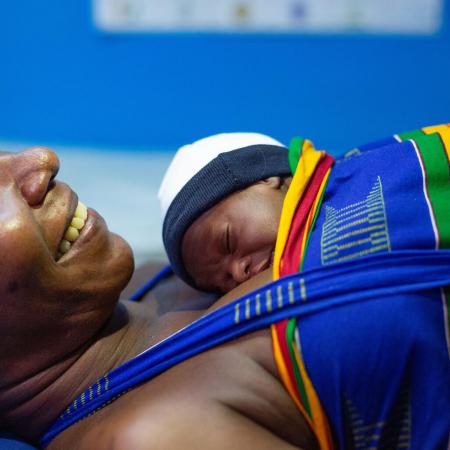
132	328
34	403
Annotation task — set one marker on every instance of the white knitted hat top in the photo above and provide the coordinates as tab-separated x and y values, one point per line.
191	158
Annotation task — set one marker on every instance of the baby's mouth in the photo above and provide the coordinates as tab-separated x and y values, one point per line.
73	231
266	264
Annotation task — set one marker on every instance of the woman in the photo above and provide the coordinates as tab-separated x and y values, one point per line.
63	328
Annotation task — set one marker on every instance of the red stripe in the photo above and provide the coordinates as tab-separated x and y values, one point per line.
281	332
291	253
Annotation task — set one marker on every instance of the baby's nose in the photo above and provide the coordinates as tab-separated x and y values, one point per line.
34	169
240	269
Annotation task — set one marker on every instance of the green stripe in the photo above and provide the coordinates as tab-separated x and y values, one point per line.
290	338
437	171
295	151
436	165
411	135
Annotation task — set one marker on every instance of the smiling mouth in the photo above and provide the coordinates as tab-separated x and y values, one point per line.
73	231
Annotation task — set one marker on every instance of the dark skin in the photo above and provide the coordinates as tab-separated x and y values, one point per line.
66	328
236	236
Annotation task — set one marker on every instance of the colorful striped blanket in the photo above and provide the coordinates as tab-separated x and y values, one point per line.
374	374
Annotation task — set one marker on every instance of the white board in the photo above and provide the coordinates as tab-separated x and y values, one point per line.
290	16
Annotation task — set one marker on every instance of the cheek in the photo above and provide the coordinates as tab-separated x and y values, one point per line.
274	211
268	214
97	274
258	231
23	251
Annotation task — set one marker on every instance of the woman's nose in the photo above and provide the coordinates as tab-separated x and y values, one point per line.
240	269
34	169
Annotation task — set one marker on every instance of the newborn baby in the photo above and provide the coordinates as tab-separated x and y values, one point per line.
221	199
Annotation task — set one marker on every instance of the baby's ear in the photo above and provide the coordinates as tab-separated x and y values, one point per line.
274	182
285	183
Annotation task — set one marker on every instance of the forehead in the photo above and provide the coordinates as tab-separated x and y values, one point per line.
202	234
226	208
205	227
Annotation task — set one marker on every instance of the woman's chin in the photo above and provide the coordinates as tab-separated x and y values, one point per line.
123	261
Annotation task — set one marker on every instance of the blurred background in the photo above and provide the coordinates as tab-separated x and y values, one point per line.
115	86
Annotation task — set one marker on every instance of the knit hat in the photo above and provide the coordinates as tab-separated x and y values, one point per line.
205	172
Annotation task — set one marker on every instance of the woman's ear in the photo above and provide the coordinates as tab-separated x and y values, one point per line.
274	182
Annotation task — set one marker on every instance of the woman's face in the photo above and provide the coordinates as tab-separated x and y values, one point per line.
42	292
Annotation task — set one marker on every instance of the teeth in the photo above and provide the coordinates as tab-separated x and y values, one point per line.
81	211
71	234
64	246
76	225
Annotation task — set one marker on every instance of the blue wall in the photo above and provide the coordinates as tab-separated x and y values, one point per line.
61	81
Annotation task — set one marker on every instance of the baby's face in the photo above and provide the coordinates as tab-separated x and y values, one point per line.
234	240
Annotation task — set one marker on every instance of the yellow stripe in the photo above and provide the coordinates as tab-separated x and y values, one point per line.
444	131
306	166
282	369
320	428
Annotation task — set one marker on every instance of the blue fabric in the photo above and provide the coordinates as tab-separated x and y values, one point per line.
151	283
8	442
382	372
396	392
310	294
374	202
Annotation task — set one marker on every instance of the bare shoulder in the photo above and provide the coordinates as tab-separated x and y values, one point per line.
228	397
